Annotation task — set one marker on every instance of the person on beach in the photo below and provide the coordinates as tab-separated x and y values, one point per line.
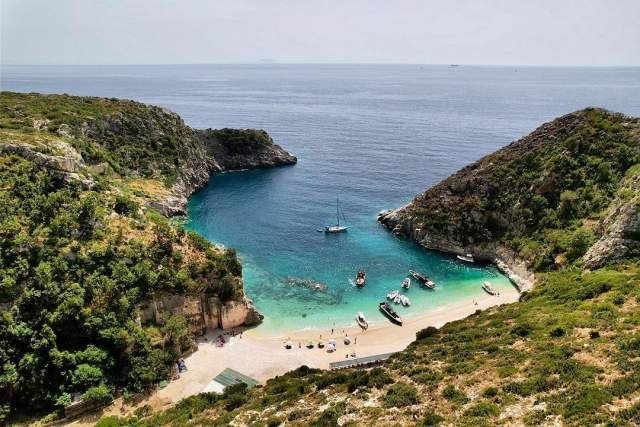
355	340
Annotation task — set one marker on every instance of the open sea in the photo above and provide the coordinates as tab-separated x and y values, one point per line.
372	135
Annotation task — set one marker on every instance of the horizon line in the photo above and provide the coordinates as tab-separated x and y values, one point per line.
273	62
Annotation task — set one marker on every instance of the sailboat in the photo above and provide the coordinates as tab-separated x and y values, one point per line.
337	228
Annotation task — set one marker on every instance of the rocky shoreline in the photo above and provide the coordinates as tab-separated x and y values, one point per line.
224	150
505	260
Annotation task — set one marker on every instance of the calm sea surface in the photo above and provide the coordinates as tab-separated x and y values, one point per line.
372	135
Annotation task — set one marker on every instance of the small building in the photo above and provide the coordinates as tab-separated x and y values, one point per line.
226	378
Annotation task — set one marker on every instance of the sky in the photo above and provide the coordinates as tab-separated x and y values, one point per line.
492	32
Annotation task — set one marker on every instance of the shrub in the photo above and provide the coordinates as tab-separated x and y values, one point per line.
490	392
455	395
100	393
401	394
430	331
431	419
483	409
557	332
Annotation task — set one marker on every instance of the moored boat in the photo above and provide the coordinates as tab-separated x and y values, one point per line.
488	288
361	278
466	258
392	295
406	283
390	313
362	322
423	279
337	228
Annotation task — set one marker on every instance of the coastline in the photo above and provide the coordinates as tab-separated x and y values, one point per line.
262	356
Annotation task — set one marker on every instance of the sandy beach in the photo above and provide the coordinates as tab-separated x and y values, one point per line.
262	357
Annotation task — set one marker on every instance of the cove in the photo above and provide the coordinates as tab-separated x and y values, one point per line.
271	218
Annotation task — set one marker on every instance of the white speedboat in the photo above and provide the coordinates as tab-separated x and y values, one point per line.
362	322
488	288
405	300
466	258
392	295
406	283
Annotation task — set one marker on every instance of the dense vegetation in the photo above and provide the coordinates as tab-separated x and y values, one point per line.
133	139
569	352
79	251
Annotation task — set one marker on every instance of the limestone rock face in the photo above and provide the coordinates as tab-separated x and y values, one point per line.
201	312
619	229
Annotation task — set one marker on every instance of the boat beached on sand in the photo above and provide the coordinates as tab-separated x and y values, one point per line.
488	288
390	313
423	279
362	322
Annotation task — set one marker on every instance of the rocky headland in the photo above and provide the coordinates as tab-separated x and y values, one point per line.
571	175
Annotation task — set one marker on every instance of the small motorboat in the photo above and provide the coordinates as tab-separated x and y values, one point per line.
362	322
423	279
466	258
488	288
388	311
361	278
392	295
404	300
406	283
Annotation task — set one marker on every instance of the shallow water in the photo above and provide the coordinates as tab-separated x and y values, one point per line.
373	135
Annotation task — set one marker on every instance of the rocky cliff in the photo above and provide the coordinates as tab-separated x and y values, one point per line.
224	150
537	203
107	291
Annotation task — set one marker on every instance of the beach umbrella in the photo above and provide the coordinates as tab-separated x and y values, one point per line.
288	345
332	342
347	340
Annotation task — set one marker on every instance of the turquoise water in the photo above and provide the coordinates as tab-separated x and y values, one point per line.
373	135
279	244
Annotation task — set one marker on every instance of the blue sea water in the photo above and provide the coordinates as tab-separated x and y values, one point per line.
372	135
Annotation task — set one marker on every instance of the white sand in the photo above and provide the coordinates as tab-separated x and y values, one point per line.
263	357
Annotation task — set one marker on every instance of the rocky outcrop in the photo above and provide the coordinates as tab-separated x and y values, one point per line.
506	260
202	312
223	150
619	229
239	149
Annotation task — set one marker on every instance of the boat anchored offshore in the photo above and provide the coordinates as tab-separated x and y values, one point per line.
406	283
337	228
488	288
466	258
390	313
393	295
362	322
361	278
423	279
